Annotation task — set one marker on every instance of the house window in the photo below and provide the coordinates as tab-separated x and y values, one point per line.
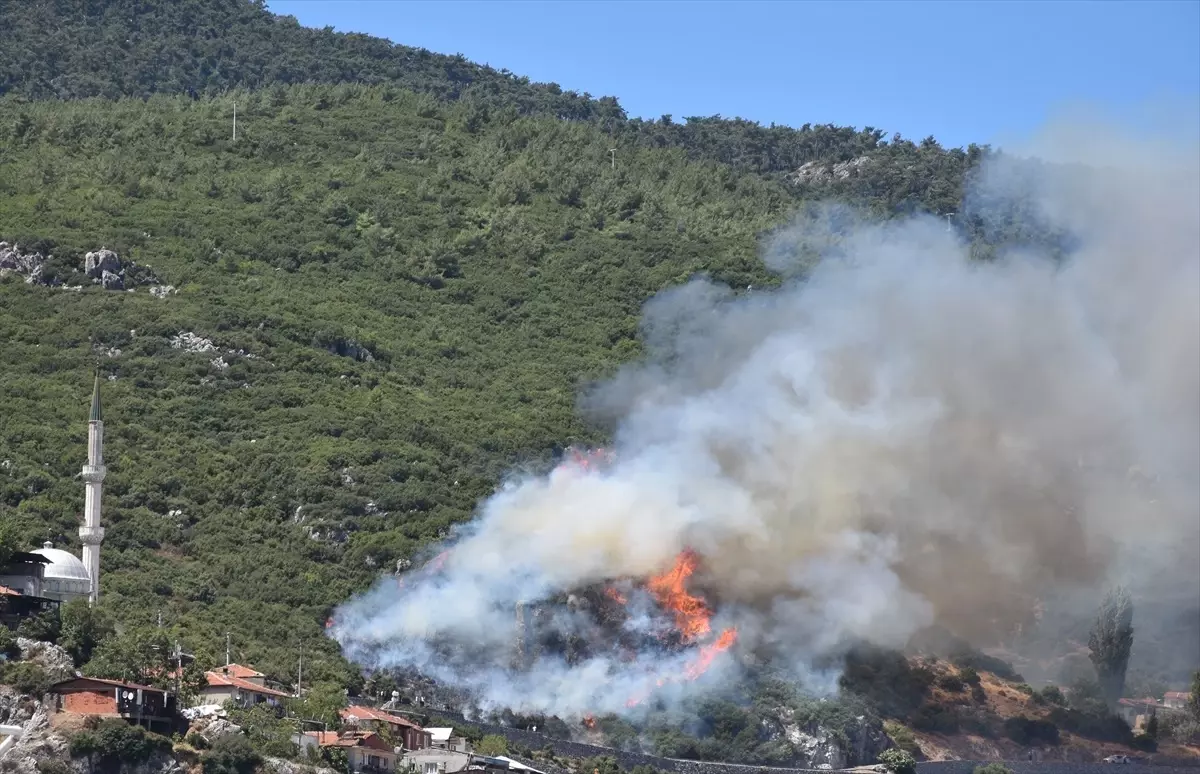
431	768
373	761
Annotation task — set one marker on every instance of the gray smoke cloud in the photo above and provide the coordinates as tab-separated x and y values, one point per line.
902	438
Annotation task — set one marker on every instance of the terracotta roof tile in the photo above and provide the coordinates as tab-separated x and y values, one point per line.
216	678
350	739
370	713
237	670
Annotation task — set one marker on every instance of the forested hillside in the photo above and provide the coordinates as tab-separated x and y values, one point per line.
393	284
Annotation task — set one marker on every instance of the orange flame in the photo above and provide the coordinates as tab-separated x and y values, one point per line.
692	618
709	652
669	590
615	595
589	721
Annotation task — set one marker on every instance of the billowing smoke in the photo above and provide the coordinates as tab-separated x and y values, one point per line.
901	437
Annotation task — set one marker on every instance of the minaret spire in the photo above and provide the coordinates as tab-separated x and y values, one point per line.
96	416
91	534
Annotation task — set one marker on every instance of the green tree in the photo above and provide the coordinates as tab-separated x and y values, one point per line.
898	761
8	644
10	542
1110	642
322	703
492	744
84	626
231	754
113	743
144	655
44	626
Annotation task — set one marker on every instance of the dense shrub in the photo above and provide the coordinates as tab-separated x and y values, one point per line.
886	680
1052	694
936	718
1031	731
43	626
26	677
902	737
993	768
111	742
951	682
8	644
1144	742
898	761
230	754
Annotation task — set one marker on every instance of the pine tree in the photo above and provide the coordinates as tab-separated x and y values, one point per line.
1110	642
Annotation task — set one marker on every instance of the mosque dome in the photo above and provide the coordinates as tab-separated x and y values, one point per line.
65	575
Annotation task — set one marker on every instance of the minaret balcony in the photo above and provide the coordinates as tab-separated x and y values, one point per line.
91	536
94	474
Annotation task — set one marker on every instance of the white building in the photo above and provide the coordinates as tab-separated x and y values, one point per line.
66	576
444	738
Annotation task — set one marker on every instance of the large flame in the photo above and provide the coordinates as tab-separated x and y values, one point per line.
670	591
692	619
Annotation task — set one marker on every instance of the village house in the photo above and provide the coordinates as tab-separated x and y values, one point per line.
21	589
402	731
143	705
440	760
239	684
1137	712
366	751
1176	699
444	739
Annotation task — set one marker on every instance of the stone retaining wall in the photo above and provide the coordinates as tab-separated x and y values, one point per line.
627	760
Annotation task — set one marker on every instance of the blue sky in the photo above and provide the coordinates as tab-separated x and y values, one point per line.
961	71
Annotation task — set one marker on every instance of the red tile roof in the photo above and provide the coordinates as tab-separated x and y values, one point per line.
237	670
5	591
370	713
218	679
350	739
1176	695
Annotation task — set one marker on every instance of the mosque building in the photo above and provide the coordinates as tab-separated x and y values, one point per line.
66	576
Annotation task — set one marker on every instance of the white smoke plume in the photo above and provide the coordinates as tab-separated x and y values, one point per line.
904	437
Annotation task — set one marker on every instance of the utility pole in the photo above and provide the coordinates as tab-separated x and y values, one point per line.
613	152
178	668
300	672
160	619
235	122
227	649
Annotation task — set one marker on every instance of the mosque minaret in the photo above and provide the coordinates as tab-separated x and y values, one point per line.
66	577
91	534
